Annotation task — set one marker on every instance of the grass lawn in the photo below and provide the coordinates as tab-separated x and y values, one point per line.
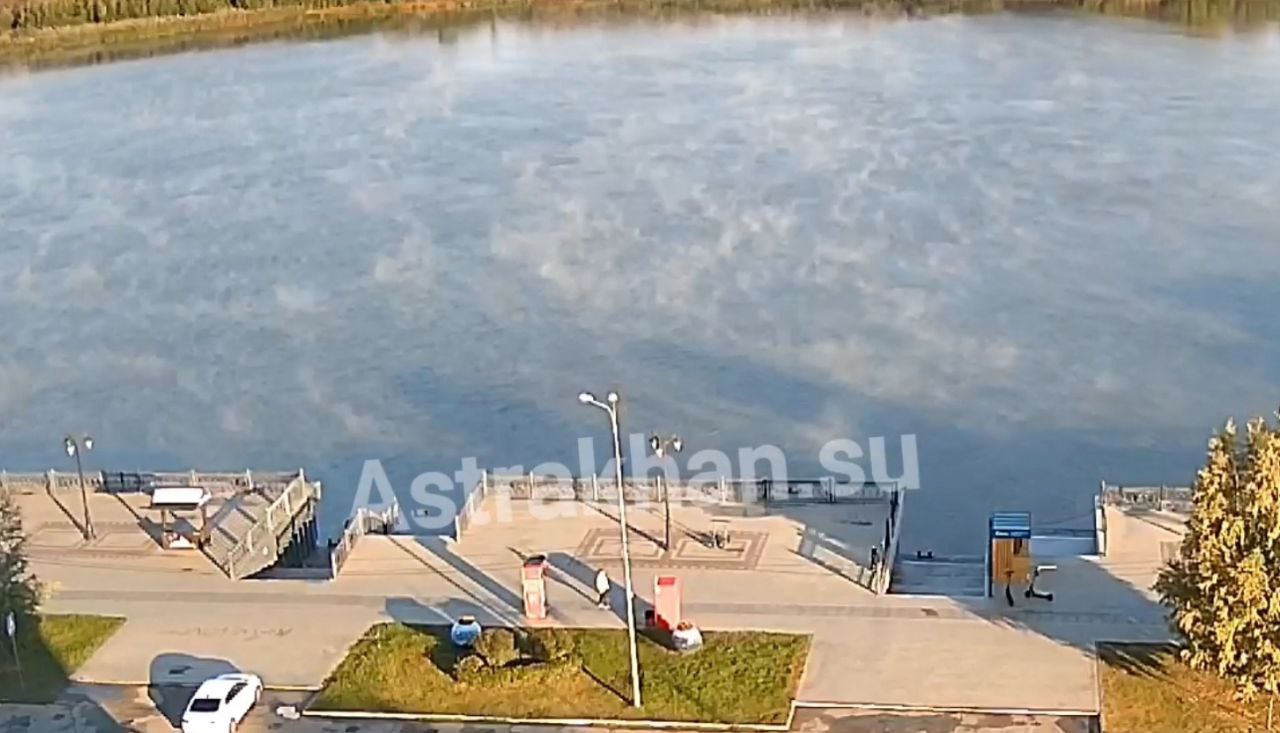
50	650
737	677
1145	688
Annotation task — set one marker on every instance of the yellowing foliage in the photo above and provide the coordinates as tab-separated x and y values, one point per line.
1224	587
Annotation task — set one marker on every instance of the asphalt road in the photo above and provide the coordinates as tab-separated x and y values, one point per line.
113	709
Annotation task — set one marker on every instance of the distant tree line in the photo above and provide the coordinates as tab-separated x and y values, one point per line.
25	15
36	14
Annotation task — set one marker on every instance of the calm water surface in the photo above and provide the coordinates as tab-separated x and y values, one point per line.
1048	246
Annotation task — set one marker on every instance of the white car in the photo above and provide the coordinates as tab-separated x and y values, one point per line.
221	703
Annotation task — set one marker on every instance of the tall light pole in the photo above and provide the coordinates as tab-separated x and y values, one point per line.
659	447
610	406
74	449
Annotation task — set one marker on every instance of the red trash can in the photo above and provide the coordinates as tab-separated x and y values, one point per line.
666	601
533	586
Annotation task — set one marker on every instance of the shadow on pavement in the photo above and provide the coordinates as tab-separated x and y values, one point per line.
151	527
1144	660
36	695
66	512
570	566
413	612
1089	604
510	602
174	679
811	540
567	567
74	712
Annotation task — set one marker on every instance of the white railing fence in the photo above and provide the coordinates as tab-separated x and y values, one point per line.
217	482
882	576
716	490
1165	498
263	536
364	521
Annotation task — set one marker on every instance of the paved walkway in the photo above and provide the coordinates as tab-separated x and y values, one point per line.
904	651
173	641
861	721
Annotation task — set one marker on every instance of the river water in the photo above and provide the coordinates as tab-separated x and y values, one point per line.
1047	246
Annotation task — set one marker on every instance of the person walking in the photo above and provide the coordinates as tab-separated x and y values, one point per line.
602	588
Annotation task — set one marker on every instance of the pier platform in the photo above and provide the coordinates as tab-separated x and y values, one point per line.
251	520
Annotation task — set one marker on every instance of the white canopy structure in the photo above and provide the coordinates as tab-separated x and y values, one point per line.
172	499
179	497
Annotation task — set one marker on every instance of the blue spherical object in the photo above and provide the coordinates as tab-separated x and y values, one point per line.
465	632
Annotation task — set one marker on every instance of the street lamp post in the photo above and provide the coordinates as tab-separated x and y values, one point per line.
611	407
74	449
659	446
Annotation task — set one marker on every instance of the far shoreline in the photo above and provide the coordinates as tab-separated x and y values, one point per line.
90	43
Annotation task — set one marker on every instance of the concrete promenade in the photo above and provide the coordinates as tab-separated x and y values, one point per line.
798	570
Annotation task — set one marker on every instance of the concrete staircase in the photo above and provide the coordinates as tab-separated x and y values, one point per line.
252	530
231	521
962	576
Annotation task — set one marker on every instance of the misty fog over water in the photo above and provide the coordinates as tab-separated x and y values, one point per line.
1047	246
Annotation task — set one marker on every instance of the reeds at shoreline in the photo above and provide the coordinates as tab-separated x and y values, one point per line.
36	33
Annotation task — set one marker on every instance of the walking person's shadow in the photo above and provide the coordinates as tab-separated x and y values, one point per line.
569	568
584	577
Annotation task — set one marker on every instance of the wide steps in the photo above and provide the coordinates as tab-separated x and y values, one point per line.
955	577
231	521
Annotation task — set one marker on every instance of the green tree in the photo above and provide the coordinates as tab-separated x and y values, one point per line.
19	589
1224	586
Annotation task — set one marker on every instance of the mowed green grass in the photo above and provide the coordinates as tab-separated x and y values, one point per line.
50	650
737	677
1147	689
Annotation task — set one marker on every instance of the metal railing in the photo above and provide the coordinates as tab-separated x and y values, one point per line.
882	576
262	536
823	490
364	521
218	482
462	519
1167	498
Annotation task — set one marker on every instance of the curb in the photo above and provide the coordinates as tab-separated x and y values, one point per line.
1097	685
896	708
129	683
559	722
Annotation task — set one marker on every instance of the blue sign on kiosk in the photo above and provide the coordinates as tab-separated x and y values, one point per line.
1010	525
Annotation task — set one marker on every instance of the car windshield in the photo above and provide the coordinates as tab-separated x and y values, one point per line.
205	705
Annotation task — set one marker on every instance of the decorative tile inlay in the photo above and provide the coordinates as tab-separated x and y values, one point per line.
602	546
